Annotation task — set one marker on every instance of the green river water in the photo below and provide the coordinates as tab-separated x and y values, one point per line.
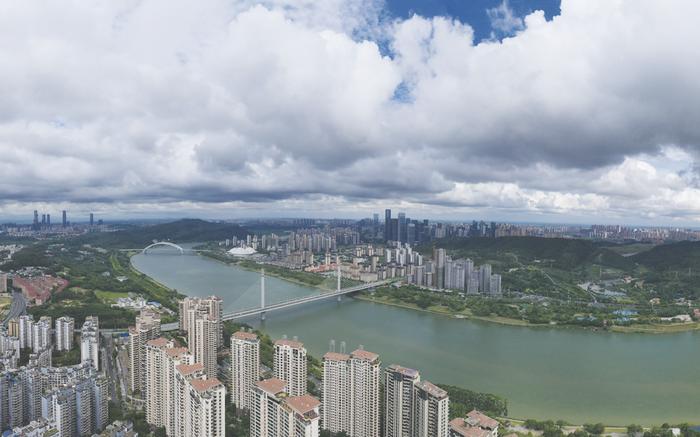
576	375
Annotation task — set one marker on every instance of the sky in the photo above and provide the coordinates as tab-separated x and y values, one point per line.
583	111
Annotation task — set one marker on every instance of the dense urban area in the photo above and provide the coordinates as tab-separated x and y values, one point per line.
91	346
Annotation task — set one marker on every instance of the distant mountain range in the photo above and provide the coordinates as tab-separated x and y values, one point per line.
565	253
180	231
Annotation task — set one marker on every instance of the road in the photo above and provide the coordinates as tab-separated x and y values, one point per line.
17	307
108	363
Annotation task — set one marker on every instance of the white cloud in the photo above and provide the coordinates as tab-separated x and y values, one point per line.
280	103
503	19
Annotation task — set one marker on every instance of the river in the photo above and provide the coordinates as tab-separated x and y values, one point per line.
545	373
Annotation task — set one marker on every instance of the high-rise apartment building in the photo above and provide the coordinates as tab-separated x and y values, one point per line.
485	278
147	327
25	331
399	385
90	342
201	318
41	334
337	380
156	381
351	393
276	414
64	332
291	366
431	410
205	415
245	367
387	225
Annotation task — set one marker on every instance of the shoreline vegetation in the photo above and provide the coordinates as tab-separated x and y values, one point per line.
512	422
313	280
468	315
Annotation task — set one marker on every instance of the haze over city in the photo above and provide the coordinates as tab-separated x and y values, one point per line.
571	112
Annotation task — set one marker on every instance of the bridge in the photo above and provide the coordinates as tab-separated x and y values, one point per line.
264	308
163	243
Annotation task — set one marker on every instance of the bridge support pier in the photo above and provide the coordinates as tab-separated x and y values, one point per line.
340	298
262	316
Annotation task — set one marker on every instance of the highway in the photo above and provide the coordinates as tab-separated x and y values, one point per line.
17	307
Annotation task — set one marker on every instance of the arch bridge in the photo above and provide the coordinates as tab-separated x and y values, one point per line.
163	243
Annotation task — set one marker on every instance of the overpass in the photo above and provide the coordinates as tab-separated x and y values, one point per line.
262	310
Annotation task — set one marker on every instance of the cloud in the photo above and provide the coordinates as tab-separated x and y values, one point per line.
503	20
282	105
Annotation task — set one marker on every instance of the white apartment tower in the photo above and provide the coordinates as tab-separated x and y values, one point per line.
201	318
90	342
156	381
65	329
351	393
399	385
290	365
276	414
147	328
431	411
245	367
336	411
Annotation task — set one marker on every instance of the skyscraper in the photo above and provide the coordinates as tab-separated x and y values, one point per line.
290	365
276	414
431	411
351	393
147	327
402	235
245	367
92	219
65	328
64	218
90	342
35	223
399	385
387	225
485	278
201	318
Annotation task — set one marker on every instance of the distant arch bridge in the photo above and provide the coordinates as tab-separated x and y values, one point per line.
163	243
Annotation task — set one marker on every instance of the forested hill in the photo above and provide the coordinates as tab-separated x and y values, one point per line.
564	253
674	256
181	231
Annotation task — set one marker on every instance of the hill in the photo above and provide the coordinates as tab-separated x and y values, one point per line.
181	231
674	256
562	253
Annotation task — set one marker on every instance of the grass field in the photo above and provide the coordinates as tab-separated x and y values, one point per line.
110	296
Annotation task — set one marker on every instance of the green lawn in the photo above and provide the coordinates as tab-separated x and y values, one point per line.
110	296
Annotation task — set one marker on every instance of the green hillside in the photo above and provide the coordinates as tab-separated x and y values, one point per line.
181	231
562	253
674	256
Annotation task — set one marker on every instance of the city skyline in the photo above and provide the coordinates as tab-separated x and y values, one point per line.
512	111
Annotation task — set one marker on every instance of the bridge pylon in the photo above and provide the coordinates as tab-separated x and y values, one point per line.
262	294
337	262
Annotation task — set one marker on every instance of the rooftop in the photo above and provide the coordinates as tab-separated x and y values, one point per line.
202	385
176	351
243	335
158	342
405	371
188	369
477	418
334	356
272	386
461	427
291	343
303	404
432	389
364	355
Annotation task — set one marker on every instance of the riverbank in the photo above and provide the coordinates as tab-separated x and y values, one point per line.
270	270
468	315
